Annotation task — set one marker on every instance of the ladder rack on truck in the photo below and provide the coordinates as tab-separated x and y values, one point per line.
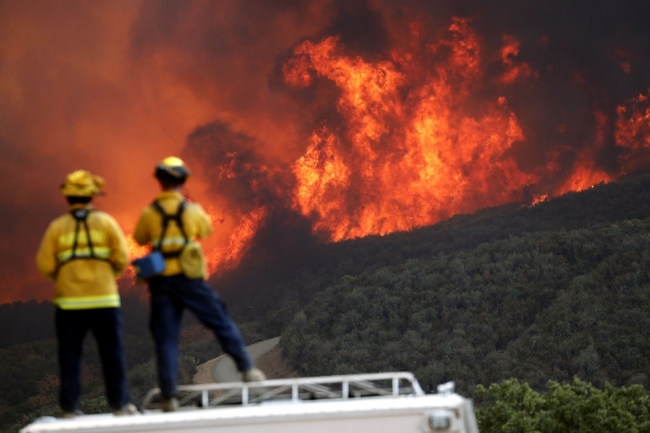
293	390
383	402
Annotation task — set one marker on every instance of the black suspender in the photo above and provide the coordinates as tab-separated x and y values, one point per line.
166	218
81	217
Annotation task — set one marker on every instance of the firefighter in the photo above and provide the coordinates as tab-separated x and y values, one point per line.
173	226
84	251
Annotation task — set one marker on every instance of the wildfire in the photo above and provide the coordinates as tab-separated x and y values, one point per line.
239	243
633	124
135	251
584	173
509	52
539	199
396	162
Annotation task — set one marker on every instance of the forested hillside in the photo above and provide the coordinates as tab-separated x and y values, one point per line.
547	305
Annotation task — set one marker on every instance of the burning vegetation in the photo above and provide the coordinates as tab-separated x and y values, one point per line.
403	152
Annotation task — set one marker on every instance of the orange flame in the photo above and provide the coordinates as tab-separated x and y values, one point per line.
396	162
585	174
514	71
135	251
633	124
239	243
539	199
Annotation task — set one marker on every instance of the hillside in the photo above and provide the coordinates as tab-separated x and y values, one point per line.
547	305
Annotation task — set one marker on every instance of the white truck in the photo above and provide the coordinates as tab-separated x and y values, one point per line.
383	402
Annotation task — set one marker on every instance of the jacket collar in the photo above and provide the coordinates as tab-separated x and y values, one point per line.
170	194
81	206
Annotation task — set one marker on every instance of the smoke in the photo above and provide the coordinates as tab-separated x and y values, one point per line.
236	173
114	87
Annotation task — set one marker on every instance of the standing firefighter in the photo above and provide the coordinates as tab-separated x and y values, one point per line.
83	251
173	225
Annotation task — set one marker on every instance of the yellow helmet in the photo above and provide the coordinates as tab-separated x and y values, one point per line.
172	169
82	183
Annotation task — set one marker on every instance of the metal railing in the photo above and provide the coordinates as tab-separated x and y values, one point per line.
290	390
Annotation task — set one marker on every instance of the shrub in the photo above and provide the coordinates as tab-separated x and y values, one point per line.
513	406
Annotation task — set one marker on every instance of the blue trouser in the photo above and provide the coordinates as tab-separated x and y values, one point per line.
169	297
106	326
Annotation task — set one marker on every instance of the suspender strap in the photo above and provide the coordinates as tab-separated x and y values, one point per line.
81	217
166	218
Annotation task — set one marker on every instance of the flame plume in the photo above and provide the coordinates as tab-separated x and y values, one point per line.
395	163
633	123
240	241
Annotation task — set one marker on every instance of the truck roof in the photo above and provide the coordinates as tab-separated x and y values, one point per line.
324	408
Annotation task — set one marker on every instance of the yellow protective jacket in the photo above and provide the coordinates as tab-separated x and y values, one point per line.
149	228
84	283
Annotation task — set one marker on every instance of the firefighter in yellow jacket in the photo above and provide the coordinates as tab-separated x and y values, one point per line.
84	251
173	227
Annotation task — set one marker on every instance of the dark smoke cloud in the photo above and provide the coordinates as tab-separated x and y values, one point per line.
361	27
228	160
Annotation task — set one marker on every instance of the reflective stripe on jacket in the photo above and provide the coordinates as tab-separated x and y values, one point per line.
87	302
84	282
98	252
149	228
